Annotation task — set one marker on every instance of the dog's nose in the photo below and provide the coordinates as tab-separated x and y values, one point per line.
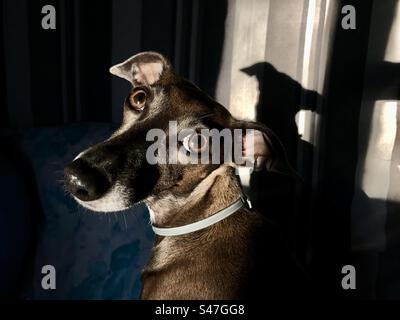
84	181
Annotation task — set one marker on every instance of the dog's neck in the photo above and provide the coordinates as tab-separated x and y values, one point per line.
217	191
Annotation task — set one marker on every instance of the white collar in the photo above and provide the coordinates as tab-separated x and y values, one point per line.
195	226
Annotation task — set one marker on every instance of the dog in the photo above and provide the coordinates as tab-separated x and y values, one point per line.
209	243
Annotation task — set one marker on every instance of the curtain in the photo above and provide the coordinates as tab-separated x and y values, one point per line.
60	76
275	62
375	205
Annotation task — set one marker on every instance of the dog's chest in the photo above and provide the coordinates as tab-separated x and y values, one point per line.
163	254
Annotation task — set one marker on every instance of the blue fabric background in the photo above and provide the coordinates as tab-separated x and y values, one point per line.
96	255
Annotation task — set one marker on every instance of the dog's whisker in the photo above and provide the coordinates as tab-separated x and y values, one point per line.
123	216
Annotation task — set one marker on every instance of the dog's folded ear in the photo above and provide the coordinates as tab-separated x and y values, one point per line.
145	68
262	145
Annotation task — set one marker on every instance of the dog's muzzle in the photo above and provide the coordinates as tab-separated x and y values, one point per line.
85	182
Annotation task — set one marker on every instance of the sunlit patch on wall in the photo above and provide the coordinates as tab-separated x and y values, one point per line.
305	125
392	52
376	173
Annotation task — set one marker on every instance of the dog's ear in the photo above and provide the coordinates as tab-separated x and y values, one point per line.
262	145
145	68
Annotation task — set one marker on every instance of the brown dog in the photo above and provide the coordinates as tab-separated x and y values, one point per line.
226	259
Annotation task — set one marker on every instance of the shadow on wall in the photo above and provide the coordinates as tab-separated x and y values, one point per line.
280	99
278	103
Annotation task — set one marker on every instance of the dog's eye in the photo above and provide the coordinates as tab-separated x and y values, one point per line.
195	143
138	99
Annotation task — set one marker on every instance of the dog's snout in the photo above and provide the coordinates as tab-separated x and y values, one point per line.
84	181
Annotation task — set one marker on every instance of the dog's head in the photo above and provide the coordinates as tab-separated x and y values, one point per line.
117	173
